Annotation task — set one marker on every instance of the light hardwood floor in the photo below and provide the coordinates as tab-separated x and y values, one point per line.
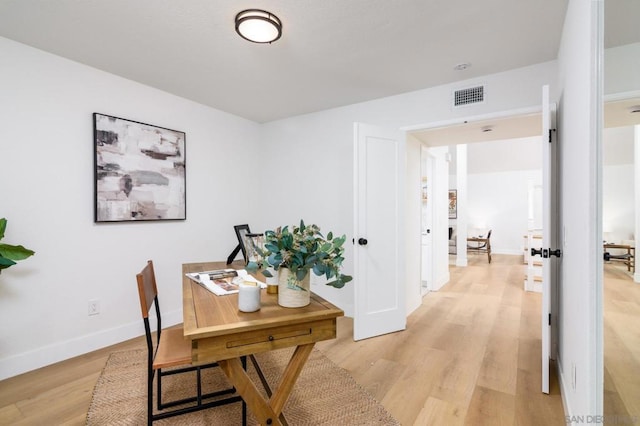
470	355
621	345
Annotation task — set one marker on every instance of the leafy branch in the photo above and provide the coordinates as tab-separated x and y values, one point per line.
302	249
9	254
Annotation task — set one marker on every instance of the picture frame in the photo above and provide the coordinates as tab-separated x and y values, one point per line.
139	171
453	204
242	232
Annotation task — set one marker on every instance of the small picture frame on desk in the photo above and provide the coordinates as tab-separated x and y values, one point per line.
242	232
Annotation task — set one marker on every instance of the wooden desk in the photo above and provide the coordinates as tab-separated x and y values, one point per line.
220	332
479	245
627	258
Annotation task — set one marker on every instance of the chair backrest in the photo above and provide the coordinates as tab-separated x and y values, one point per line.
489	234
147	289
148	292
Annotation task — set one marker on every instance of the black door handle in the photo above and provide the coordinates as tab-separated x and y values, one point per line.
556	252
362	241
535	252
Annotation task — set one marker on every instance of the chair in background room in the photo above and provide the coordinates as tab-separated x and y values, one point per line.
480	245
172	350
452	240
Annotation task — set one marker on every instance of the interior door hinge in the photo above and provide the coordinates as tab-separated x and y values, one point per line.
549	319
551	135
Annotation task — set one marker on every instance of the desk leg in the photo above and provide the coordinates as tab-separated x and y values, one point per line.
267	413
232	368
290	376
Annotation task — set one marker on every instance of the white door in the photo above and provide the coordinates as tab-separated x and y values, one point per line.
379	169
427	222
550	251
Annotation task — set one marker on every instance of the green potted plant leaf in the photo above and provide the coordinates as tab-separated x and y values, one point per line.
9	254
296	251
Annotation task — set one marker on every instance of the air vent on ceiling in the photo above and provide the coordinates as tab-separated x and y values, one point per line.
472	95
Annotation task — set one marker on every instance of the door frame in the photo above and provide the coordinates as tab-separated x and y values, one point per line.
490	116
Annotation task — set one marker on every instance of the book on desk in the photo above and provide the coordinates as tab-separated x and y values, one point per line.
222	282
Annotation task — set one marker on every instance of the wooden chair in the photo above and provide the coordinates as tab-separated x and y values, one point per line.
480	245
172	350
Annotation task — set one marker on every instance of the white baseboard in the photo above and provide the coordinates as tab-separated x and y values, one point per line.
60	351
564	390
506	251
440	281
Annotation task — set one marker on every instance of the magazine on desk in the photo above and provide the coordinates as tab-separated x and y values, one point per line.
223	281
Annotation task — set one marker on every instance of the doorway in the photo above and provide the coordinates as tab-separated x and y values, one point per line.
488	141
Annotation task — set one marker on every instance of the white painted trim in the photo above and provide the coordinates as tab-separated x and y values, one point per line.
60	351
597	109
613	97
564	391
471	119
440	281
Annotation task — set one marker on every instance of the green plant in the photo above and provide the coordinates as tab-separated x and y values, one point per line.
303	249
9	253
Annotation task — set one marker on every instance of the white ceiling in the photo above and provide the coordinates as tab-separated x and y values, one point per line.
332	52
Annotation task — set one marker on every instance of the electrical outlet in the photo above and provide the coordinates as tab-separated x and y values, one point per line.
94	307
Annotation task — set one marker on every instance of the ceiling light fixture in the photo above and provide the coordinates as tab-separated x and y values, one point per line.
258	26
463	66
634	109
485	129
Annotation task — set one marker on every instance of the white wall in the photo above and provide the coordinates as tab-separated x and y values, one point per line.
618	184
46	167
621	67
580	319
497	184
500	202
618	209
47	154
320	188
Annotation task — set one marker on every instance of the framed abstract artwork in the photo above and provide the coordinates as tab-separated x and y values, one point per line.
139	171
453	204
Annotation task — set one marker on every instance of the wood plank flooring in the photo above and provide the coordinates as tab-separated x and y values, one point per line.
621	346
470	356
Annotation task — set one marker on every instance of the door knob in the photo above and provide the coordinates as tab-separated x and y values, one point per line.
535	252
362	241
556	252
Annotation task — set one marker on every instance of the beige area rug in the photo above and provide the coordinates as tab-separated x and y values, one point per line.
324	394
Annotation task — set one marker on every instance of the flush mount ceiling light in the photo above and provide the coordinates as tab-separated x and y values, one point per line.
634	109
462	66
258	26
485	129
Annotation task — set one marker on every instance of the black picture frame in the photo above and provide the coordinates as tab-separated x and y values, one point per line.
139	171
242	231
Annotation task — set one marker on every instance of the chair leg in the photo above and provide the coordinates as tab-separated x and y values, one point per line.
150	397
159	383
199	375
244	404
